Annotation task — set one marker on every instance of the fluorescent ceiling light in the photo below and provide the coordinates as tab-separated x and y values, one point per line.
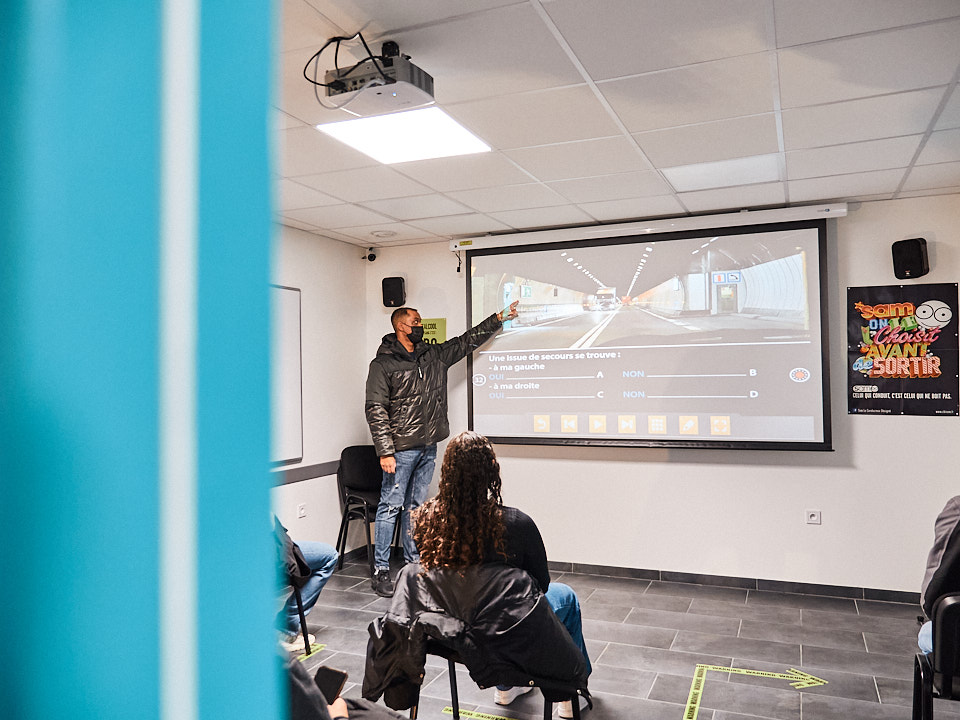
724	173
404	136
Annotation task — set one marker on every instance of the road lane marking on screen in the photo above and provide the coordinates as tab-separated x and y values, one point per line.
590	337
798	679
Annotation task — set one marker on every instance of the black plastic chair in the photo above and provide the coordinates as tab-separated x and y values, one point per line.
551	691
359	479
937	675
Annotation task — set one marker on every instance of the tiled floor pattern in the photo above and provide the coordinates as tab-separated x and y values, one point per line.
646	640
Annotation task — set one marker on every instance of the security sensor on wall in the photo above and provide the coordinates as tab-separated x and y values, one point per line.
369	255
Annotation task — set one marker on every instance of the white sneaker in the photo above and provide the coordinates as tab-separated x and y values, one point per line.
565	710
505	697
293	642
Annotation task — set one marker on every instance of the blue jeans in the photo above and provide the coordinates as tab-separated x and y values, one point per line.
322	560
565	605
402	491
925	637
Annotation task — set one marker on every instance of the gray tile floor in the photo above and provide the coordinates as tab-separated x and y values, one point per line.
646	640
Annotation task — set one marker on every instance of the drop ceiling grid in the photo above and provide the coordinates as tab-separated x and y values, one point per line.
689	85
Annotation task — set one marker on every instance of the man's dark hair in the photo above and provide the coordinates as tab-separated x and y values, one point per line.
399	314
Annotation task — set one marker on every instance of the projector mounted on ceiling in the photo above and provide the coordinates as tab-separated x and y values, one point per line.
388	83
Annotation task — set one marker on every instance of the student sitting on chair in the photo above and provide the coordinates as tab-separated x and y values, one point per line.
308	566
467	524
942	575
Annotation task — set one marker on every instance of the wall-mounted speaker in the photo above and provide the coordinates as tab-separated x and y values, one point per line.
393	293
910	258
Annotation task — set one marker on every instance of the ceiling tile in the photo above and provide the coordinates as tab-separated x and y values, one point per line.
925	177
380	233
372	183
612	187
290	222
932	191
464	172
852	158
705	142
812	20
528	119
284	121
866	119
543	217
626	37
421	206
941	147
697	93
724	173
377	16
488	54
303	27
460	225
584	158
508	197
950	116
294	196
337	216
633	208
867	65
306	151
750	196
841	186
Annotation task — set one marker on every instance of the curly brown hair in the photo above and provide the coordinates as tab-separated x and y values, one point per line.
456	528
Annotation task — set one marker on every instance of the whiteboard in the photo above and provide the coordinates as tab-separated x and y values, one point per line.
286	392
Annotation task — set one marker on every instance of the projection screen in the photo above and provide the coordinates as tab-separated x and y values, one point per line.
708	338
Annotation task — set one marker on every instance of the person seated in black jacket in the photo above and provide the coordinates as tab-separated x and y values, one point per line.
942	575
467	524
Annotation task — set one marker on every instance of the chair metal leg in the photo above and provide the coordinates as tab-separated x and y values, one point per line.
454	697
342	536
366	524
922	689
303	619
547	709
576	707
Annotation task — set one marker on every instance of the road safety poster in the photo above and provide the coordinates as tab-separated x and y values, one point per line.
902	350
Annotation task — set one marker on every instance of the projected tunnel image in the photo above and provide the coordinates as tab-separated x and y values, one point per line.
725	287
702	328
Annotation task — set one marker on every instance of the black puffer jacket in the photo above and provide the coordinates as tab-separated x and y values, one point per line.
493	616
406	403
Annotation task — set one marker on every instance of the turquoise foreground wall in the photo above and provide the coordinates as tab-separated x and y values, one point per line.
136	559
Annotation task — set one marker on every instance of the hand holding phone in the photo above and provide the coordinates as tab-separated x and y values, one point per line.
330	681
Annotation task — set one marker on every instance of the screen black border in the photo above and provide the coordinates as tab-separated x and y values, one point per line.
826	445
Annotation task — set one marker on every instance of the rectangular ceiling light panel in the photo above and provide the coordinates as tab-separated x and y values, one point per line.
398	137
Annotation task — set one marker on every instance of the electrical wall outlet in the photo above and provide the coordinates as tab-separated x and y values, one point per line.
302	510
813	517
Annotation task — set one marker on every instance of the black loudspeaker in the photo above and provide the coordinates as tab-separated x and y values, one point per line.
910	258
393	294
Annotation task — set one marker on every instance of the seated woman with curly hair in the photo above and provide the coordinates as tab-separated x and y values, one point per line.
467	524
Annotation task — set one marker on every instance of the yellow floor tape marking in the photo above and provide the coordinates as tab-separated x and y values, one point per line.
314	649
471	714
797	678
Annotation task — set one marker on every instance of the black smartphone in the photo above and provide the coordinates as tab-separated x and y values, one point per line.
330	681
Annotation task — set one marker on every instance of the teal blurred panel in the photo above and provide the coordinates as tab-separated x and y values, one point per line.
236	561
78	370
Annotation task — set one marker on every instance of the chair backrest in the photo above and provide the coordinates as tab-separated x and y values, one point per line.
946	644
359	469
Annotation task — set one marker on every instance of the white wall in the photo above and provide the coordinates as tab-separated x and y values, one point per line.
331	277
736	513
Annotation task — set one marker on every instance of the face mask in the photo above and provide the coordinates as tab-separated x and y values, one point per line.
416	334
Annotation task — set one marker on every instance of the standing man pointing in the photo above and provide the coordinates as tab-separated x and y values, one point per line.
406	408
